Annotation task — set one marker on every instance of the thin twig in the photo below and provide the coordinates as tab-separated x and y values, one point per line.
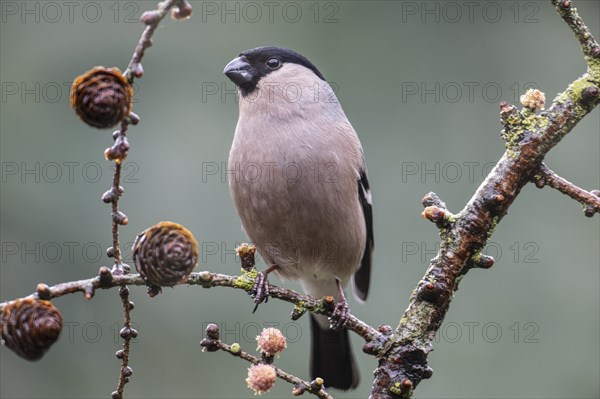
134	69
119	268
152	20
569	14
591	201
304	303
127	333
303	385
115	209
123	291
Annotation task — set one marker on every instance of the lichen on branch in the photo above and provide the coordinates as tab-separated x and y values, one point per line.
529	136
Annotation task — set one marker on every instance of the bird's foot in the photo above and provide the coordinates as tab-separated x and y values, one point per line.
341	312
260	290
340	315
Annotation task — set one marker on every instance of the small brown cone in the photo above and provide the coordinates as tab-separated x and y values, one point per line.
165	254
30	326
101	97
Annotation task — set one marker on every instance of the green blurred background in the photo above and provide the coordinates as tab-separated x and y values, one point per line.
420	81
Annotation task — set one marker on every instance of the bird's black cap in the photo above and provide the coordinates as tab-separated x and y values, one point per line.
253	64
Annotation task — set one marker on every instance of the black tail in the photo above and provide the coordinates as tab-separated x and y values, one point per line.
331	357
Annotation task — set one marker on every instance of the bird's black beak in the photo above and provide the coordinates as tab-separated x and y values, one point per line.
239	71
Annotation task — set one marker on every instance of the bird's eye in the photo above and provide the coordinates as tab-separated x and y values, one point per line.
273	63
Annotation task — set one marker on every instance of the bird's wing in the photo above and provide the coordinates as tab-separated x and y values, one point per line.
362	277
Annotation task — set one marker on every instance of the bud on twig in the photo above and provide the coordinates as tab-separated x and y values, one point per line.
43	291
150	17
183	10
119	150
120	218
246	253
105	275
589	95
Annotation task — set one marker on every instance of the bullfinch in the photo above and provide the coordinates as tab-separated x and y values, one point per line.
298	180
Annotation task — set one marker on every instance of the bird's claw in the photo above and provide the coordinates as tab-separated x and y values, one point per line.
340	315
260	290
